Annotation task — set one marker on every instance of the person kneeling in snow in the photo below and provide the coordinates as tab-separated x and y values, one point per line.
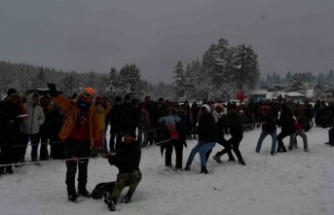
126	159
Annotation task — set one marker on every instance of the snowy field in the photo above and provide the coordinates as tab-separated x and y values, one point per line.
293	183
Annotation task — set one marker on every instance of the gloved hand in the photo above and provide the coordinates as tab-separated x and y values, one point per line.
111	159
94	152
53	89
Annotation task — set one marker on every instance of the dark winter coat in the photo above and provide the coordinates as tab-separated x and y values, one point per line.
194	112
9	130
221	128
268	122
53	123
301	117
324	117
129	117
207	131
286	121
159	111
127	157
115	117
9	123
234	123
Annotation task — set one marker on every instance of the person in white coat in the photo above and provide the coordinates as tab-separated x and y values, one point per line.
29	127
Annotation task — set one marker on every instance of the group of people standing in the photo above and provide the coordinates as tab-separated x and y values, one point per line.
31	119
293	122
76	130
82	132
210	128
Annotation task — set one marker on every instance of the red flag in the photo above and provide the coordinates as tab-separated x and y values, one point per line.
241	95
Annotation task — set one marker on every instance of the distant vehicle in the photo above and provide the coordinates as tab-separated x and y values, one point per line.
328	98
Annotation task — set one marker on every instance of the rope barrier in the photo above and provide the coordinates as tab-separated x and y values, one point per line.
113	134
77	159
36	144
83	158
158	143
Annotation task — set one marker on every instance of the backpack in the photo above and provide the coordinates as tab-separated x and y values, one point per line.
101	188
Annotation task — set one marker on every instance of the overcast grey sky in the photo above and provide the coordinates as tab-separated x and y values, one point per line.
87	35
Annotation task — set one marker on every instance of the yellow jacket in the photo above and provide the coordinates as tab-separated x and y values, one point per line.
100	116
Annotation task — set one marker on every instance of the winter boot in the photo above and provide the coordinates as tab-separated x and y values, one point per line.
204	170
231	159
9	170
242	162
83	192
284	149
127	197
72	194
109	201
279	150
217	158
1	171
187	168
72	197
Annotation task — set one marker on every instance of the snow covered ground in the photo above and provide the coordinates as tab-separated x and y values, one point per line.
291	183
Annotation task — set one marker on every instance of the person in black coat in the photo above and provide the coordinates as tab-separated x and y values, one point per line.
11	114
234	123
117	127
221	124
330	124
54	123
129	115
207	138
126	159
267	120
287	124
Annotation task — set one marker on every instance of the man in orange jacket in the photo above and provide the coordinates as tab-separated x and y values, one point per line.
79	131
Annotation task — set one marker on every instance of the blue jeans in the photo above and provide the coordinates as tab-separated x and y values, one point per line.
301	133
34	140
202	148
263	135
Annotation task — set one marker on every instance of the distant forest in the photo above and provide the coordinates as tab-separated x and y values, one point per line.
217	75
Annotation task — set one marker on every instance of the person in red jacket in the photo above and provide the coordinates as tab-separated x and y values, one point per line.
80	131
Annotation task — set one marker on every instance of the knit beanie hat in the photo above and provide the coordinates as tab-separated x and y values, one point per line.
207	107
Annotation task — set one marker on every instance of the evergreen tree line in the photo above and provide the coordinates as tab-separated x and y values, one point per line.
221	72
126	81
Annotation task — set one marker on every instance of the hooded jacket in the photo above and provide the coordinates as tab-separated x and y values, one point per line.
72	111
35	118
286	121
207	131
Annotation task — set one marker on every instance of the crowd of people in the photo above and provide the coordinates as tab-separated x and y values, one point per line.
75	128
